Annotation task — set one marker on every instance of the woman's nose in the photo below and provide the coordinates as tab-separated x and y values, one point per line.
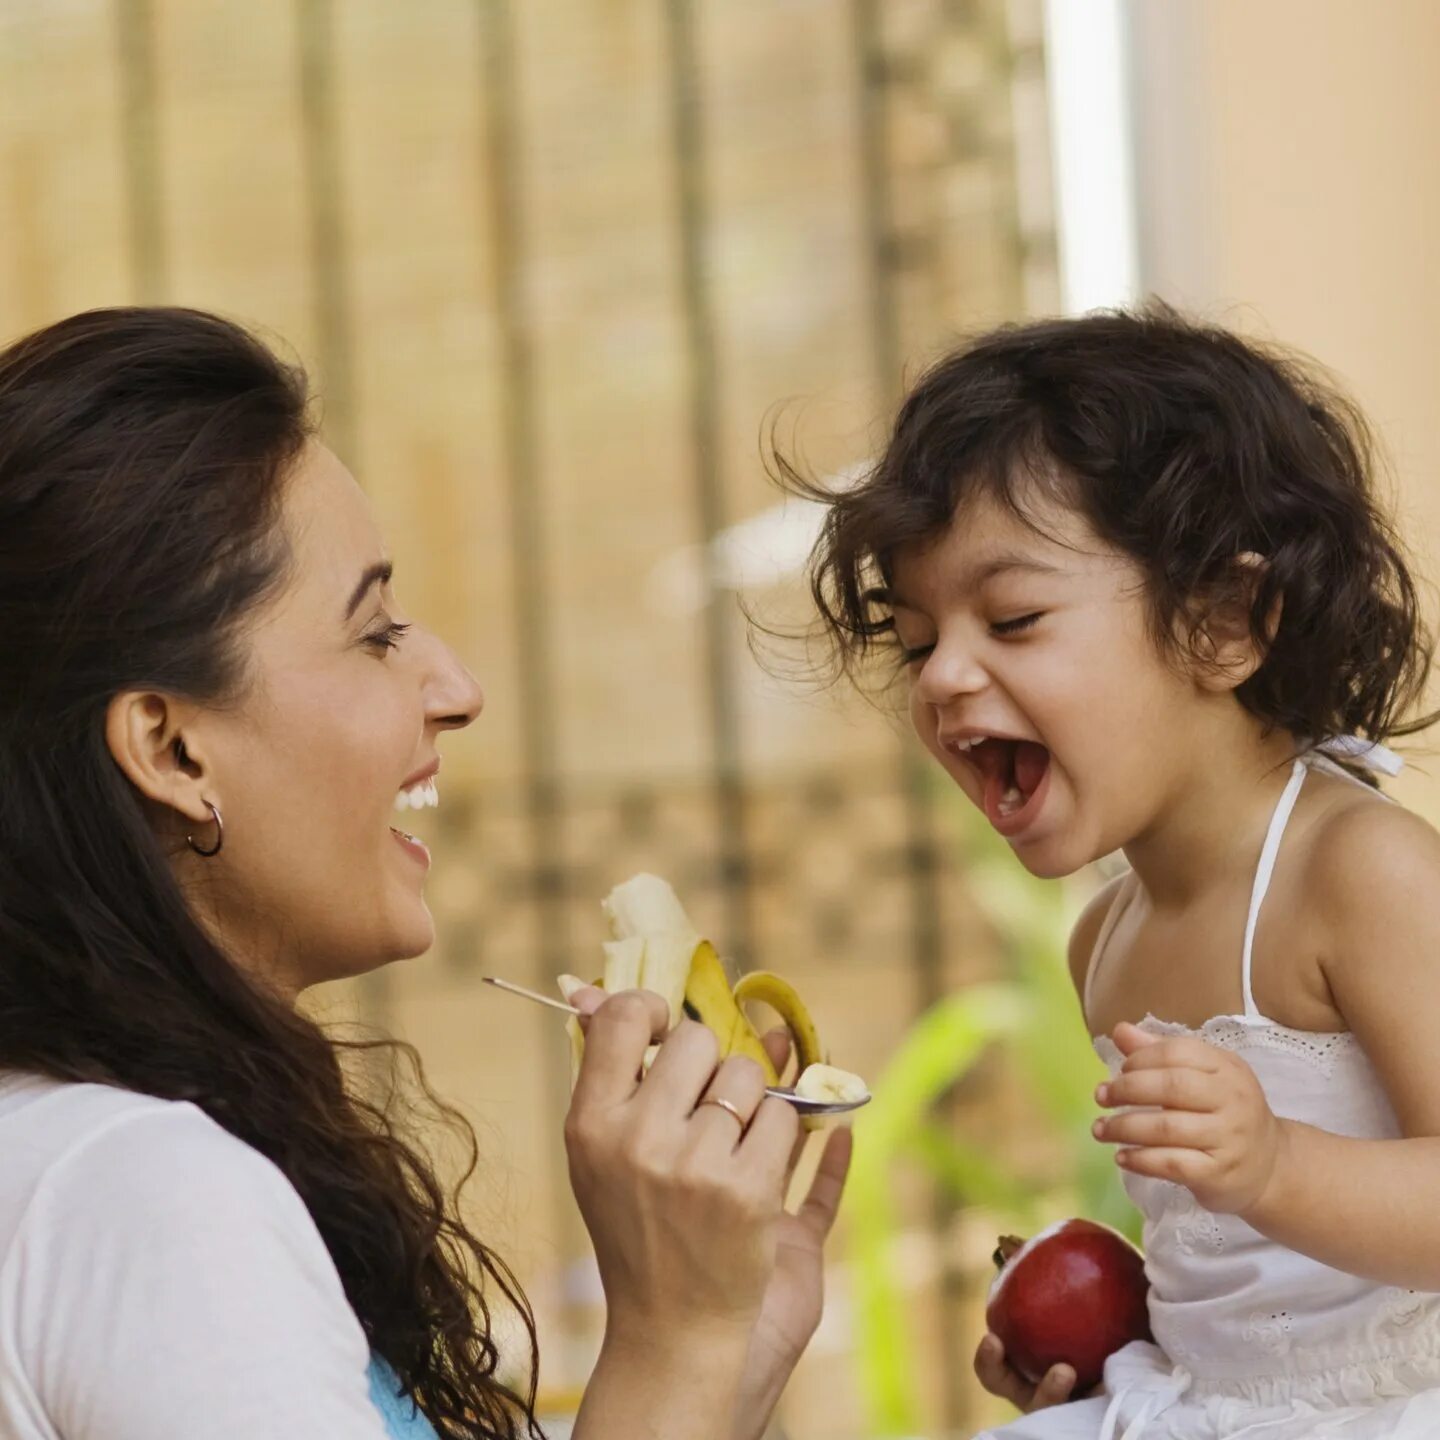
454	697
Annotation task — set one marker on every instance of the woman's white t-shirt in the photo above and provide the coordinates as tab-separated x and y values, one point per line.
161	1280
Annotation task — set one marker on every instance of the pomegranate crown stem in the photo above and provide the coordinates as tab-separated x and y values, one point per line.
1005	1248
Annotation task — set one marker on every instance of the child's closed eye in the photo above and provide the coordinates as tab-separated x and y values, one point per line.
1017	626
918	654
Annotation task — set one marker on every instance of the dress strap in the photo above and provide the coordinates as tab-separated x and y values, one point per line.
1263	874
1358	750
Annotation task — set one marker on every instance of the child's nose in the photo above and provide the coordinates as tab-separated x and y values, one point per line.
950	671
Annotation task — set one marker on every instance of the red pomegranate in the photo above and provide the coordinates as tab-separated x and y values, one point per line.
1072	1295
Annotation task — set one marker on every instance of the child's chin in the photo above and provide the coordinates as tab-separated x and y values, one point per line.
1046	860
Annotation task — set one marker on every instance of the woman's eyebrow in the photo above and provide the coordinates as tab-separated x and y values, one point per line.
380	573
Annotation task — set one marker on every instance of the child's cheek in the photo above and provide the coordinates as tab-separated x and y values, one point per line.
927	726
923	719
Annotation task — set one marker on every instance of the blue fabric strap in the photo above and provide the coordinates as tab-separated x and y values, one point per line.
403	1420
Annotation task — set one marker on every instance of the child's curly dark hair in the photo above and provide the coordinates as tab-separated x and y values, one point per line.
1186	448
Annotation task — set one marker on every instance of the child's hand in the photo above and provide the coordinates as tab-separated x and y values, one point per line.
1000	1378
1212	1129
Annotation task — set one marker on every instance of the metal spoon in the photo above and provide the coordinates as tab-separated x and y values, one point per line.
803	1103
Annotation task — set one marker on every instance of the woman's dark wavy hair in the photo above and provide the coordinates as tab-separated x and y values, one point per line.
143	456
1183	446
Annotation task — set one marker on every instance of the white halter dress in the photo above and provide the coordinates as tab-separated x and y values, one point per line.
1255	1340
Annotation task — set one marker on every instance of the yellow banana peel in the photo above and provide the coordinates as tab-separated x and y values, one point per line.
655	947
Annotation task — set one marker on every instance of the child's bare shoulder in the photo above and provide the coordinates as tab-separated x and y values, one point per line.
1086	934
1370	865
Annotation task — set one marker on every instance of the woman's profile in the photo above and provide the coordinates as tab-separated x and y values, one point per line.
209	701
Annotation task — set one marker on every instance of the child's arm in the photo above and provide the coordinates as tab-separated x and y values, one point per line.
1368	1207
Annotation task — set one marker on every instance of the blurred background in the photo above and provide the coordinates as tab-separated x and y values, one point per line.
558	267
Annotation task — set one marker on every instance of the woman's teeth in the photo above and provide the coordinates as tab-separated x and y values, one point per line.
419	797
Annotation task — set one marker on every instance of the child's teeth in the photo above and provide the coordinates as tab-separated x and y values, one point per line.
1011	801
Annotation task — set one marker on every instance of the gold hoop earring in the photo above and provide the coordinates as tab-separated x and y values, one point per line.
219	835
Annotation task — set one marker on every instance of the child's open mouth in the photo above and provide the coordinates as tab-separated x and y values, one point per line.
1014	773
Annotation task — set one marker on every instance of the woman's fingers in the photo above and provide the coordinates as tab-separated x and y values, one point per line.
822	1204
616	1038
680	1072
767	1145
725	1110
587	999
777	1047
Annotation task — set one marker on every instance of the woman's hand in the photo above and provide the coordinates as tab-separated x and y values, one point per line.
702	1265
795	1298
682	1198
1204	1121
1000	1378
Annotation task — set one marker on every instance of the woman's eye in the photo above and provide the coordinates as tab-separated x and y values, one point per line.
1016	626
915	654
386	638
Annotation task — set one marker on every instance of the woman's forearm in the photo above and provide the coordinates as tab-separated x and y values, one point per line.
1363	1206
665	1386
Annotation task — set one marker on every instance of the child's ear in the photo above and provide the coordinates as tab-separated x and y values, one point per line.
1223	643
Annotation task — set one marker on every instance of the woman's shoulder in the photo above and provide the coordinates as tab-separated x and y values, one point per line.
77	1149
154	1265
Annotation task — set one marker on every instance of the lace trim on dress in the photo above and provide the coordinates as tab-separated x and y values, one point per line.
1321	1048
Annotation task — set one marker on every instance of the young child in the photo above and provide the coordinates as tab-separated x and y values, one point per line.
1145	601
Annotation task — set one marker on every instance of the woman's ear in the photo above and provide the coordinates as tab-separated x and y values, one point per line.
143	731
1223	641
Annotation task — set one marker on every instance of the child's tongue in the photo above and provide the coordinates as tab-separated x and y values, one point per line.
1031	761
1013	770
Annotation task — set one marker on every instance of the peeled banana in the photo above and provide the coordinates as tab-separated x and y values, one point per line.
825	1082
656	947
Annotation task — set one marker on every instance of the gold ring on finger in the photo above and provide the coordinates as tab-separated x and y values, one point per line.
728	1106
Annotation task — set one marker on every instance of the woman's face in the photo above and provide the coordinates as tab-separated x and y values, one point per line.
344	706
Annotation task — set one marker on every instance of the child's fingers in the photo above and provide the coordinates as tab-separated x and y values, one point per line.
1174	1088
1179	1051
1184	1167
998	1378
1131	1038
1157	1127
1055	1388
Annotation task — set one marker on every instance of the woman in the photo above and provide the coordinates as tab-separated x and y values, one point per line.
209	699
